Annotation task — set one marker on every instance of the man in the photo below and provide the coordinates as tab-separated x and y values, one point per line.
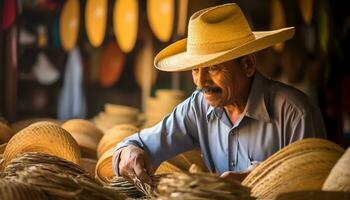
237	117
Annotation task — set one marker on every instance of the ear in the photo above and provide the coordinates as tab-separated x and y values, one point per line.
249	64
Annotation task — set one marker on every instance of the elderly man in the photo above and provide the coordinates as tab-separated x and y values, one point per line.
237	117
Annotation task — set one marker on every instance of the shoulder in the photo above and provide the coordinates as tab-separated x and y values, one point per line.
289	99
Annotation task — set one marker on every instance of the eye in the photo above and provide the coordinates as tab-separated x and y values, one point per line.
195	70
214	69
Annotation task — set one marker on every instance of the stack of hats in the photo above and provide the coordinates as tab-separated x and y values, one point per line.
162	104
116	114
104	172
302	165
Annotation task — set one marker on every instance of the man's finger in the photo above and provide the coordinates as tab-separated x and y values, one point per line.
141	173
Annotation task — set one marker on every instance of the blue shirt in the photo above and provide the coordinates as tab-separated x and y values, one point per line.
275	115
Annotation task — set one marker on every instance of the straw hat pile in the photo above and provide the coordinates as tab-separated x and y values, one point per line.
5	132
339	177
116	114
199	186
58	178
45	137
302	165
105	149
14	190
162	104
86	134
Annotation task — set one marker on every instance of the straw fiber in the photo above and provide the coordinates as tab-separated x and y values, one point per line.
339	177
58	178
295	149
45	137
103	171
5	133
307	171
199	186
12	190
88	165
316	194
113	136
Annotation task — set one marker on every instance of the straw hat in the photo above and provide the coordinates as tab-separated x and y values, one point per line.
339	178
88	165
115	135
45	137
111	64
14	190
19	125
166	167
69	24
160	14
84	132
215	35
103	171
125	23
5	133
313	194
96	20
295	149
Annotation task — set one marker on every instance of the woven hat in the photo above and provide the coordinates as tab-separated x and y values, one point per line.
303	165
160	14
45	137
111	64
5	133
125	23
103	171
88	165
69	24
14	190
96	20
339	177
314	194
19	125
215	35
115	135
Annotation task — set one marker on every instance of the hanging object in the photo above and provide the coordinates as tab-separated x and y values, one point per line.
44	71
25	37
8	13
96	20
278	20
69	24
182	17
160	15
125	23
306	8
111	64
323	26
42	35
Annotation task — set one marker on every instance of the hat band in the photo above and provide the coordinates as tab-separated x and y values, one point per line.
208	48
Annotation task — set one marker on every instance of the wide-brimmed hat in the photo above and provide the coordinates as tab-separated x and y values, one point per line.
215	35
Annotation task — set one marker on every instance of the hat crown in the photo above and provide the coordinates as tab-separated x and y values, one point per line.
217	29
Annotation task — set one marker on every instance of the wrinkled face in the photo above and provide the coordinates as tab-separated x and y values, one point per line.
225	83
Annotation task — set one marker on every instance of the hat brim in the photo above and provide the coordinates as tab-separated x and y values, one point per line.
175	58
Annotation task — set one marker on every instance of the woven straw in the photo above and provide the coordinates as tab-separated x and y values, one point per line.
115	135
307	171
88	165
58	178
12	190
184	160
339	177
103	171
46	137
5	133
84	132
319	195
120	109
199	186
297	148
166	168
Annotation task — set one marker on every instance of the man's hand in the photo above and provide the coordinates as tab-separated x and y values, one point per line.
238	176
134	163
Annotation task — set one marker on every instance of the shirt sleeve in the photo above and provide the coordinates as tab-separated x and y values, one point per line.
175	134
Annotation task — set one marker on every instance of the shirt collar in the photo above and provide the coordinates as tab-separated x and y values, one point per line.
256	107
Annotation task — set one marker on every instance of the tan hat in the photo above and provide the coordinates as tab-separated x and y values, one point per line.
215	35
69	24
45	137
125	23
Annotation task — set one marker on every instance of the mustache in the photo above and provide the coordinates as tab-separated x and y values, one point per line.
209	89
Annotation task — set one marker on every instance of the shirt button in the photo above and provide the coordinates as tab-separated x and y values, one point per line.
233	164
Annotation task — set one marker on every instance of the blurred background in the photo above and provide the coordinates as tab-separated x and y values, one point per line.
93	59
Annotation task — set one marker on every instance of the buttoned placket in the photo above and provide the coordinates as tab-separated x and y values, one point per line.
233	149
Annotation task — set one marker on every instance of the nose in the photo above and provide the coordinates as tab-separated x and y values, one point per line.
202	78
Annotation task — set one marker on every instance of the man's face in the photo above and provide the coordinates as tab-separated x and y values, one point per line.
223	84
